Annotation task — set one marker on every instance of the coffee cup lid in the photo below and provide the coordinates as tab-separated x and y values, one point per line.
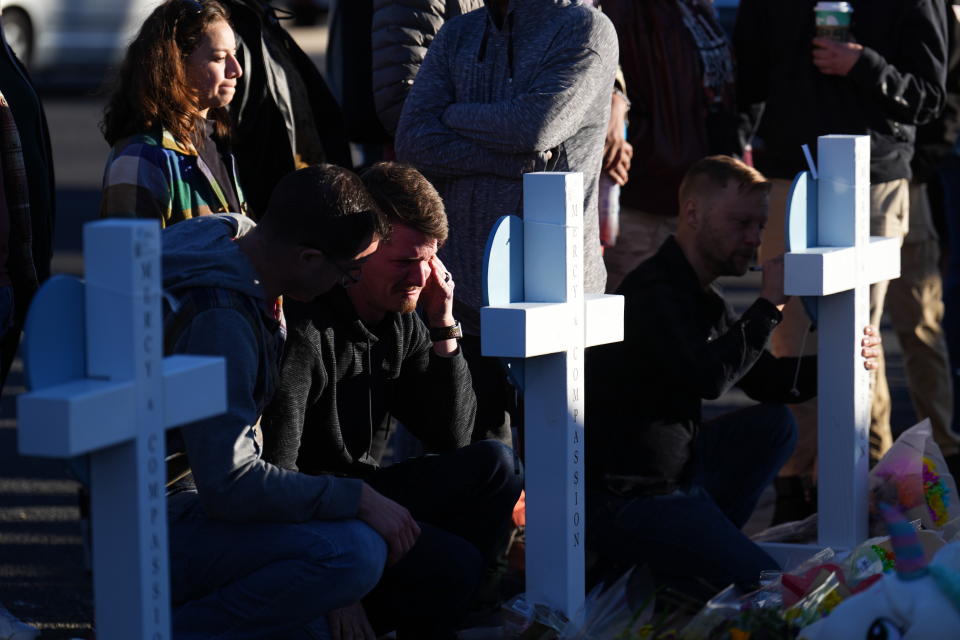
840	7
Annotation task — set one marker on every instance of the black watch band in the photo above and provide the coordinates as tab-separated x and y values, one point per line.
453	332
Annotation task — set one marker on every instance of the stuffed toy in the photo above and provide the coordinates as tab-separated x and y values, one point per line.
918	602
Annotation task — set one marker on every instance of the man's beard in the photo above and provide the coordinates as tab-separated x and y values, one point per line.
739	263
407	306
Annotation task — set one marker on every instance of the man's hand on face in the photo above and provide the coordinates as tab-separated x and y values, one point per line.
834	58
437	295
870	347
391	520
350	623
771	287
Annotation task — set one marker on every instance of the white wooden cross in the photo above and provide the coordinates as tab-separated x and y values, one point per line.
100	385
832	256
539	313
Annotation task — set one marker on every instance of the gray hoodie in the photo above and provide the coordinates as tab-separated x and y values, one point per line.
224	452
489	103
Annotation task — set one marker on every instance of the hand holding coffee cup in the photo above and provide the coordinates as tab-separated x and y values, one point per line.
833	53
835	58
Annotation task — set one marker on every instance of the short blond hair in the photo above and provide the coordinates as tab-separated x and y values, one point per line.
712	174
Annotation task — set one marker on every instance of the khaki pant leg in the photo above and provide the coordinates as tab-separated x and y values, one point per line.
915	305
889	217
641	235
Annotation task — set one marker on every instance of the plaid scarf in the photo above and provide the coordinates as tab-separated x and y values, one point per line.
712	46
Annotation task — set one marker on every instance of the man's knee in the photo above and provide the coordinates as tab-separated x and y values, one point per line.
349	555
501	462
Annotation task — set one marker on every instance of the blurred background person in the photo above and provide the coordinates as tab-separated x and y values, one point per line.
679	76
914	301
350	74
27	201
883	78
167	120
284	115
938	162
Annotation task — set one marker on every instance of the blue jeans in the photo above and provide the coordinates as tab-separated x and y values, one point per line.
239	580
693	534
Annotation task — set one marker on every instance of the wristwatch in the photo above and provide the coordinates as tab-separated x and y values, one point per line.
453	332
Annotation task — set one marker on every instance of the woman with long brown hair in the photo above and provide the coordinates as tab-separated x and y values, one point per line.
167	121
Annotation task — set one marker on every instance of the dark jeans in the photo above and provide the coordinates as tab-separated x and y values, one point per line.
950	179
235	580
463	501
694	534
252	580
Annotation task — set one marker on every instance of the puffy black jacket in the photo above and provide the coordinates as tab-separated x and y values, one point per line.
897	83
402	31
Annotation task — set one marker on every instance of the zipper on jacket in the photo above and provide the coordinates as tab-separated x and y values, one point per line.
482	54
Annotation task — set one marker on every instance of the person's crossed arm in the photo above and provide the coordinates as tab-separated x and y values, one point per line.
551	110
424	141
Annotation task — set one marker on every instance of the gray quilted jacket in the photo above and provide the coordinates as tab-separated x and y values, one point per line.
402	31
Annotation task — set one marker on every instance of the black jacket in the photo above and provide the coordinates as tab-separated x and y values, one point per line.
341	381
897	83
936	140
681	344
284	115
30	240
